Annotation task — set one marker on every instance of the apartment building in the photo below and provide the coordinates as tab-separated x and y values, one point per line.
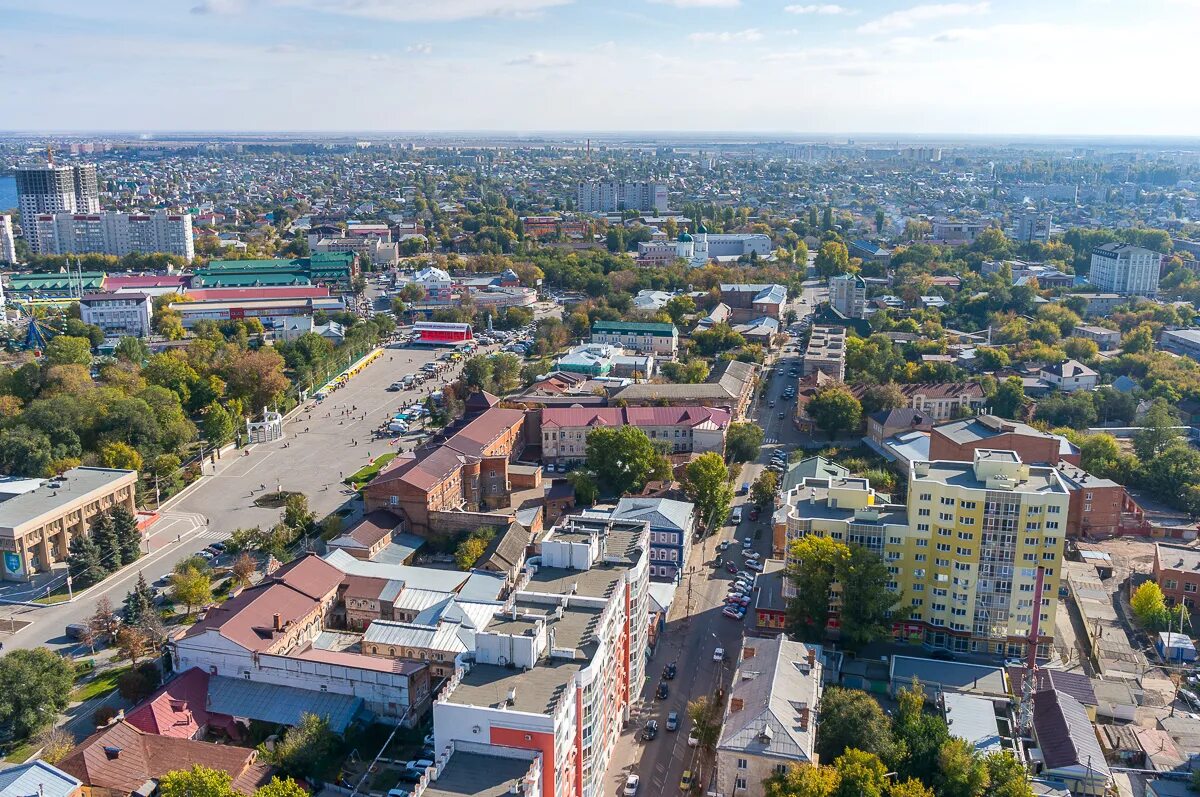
1125	269
965	552
1031	226
469	470
1106	339
770	720
826	352
609	196
959	439
730	387
52	188
8	244
1184	342
688	430
848	295
111	233
374	250
748	300
955	232
661	340
118	313
672	525
1177	572
38	522
557	669
940	400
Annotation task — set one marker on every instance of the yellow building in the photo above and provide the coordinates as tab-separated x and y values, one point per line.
964	553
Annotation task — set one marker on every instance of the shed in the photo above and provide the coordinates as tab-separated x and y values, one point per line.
1172	646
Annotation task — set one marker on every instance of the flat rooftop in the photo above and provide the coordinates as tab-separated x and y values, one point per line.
962	474
475	775
537	690
577	624
76	485
598	582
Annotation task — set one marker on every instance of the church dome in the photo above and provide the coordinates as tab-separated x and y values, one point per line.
702	229
683	236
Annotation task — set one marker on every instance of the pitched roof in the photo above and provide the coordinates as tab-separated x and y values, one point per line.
572	417
649	327
506	550
1068	369
1065	734
177	709
661	513
36	778
373	527
124	758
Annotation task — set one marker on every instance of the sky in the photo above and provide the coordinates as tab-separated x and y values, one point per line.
981	67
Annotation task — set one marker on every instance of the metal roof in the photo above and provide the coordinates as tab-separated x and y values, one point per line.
76	484
283	705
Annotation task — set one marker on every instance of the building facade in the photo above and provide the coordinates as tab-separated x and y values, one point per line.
608	196
848	295
826	352
118	313
113	233
55	189
8	244
1125	269
661	340
686	430
1177	572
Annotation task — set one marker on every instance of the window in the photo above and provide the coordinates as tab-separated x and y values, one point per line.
926	496
1171	584
742	764
739	783
1189	587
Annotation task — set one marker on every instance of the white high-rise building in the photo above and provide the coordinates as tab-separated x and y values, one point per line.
113	233
8	246
608	196
55	189
1125	269
848	295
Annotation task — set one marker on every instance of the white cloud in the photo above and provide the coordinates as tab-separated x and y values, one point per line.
424	48
820	9
912	17
539	60
393	10
282	49
818	55
727	36
700	3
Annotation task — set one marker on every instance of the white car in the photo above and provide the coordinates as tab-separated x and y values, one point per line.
755	565
693	739
719	654
631	786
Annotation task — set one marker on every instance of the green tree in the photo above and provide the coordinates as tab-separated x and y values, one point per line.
1138	341
707	484
910	787
860	774
64	350
584	482
472	548
961	770
743	441
506	372
477	373
132	349
306	750
706	721
1009	398
25	452
692	372
199	781
85	564
120	455
218	425
129	538
802	780
281	787
35	685
679	307
138	603
624	459
835	409
1158	431
716	339
104	532
1007	776
1149	605
919	734
852	719
866	599
762	492
832	259
191	587
297	515
880	219
882	397
813	572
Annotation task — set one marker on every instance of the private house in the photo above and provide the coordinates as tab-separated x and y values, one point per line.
1069	376
1067	747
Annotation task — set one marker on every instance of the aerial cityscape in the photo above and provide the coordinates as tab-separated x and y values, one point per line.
565	399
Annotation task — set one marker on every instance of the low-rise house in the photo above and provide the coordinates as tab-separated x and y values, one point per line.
661	340
686	430
1107	339
118	313
1177	572
885	423
770	721
958	439
730	387
672	524
1067	747
370	535
939	401
38	778
1070	375
748	300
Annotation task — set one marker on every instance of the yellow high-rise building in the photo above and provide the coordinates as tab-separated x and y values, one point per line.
963	554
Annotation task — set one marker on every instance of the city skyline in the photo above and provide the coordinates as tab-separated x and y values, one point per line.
942	68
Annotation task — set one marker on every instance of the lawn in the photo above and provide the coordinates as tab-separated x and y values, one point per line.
22	751
102	684
366	473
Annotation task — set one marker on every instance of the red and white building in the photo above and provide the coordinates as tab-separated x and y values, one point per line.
442	332
556	670
687	430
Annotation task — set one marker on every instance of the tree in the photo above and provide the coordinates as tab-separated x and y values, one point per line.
217	424
813	572
1138	341
104	620
803	780
55	742
85	563
297	515
133	643
1009	398
35	685
584	482
762	492
477	372
961	770
199	781
852	719
832	259
910	787
281	787
104	532
743	441
191	587
692	372
880	219
1158	431
120	455
716	339
706	723
132	350
1149	605
866	599
882	397
624	459
306	748
1007	776
244	569
64	350
707	484
679	307
472	548
125	529
919	734
139	682
860	774
506	372
25	452
834	409
138	602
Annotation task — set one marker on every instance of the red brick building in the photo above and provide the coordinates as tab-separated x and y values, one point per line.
957	440
1177	572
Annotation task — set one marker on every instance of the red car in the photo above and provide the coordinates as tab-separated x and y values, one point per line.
731	568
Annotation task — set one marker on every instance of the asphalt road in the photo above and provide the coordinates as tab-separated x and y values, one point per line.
695	625
313	457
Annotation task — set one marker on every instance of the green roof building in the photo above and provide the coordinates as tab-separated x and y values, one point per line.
56	284
661	340
327	268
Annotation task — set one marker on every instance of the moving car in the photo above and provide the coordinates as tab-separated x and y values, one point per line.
754	513
723	544
669	671
663	690
731	568
747	542
719	654
650	731
673	721
735	517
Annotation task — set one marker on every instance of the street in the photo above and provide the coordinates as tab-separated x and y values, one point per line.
314	455
695	626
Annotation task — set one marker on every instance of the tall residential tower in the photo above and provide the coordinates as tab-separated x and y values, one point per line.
54	188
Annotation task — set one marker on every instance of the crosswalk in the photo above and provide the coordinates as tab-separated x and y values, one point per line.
770	440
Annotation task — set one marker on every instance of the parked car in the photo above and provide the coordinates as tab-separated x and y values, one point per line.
731	568
631	786
663	690
670	671
723	544
737	600
650	731
693	739
754	565
735	517
733	613
686	781
673	721
410	776
748	576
